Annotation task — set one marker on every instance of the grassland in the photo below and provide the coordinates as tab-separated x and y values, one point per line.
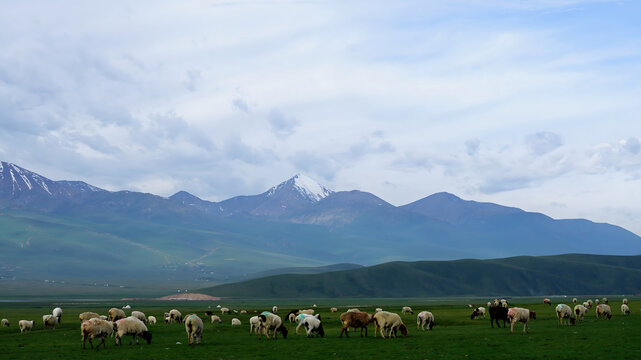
455	336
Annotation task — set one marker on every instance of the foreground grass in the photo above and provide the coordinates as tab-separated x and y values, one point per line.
454	336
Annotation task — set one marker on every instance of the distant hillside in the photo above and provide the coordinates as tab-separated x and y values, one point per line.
297	270
515	276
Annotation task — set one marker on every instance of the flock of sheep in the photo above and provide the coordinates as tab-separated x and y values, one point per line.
117	324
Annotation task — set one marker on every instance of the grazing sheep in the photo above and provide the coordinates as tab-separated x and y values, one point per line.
299	319
625	310
333	310
603	311
225	310
579	311
25	325
497	313
215	318
49	321
271	322
389	323
274	309
175	316
596	301
254	324
477	313
236	322
504	303
116	314
425	318
547	301
605	300
586	305
194	328
307	312
139	315
57	312
88	315
564	314
471	306
407	309
96	328
313	325
625	301
517	314
243	312
355	319
131	326
5	322
489	304
590	303
574	301
496	302
151	320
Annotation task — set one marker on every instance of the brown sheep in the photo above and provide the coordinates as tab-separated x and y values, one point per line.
355	320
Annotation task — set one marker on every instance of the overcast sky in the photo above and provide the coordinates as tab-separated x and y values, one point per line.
534	104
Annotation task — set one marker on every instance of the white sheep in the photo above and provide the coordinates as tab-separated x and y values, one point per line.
586	305
215	318
194	328
254	324
5	322
596	301
407	309
504	303
131	326
563	313
224	310
308	312
271	322
299	319
49	321
590	303
116	314
25	325
517	314
57	312
625	301
243	311
235	322
174	316
625	310
489	304
313	325
477	313
603	311
574	301
388	323
579	311
605	300
96	328
140	316
87	315
333	310
425	318
275	309
151	320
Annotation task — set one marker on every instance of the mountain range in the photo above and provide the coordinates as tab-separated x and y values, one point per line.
70	229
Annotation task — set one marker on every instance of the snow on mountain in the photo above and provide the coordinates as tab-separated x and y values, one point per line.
306	186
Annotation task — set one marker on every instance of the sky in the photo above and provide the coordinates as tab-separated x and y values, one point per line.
533	104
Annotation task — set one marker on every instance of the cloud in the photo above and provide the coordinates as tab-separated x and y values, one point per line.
281	125
543	142
631	145
472	146
366	147
240	105
235	148
194	77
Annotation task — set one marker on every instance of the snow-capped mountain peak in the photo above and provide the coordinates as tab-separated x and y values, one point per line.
305	186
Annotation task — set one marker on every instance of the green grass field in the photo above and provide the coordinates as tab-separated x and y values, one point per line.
454	336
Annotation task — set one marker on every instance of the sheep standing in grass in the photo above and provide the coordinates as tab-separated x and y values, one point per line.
88	315
215	318
517	314
477	313
389	323
574	301
271	322
49	321
275	309
605	300
175	316
489	304
116	314
96	328
547	301
25	325
590	303
625	310
254	324
565	314
425	318
313	325
299	319
57	312
224	310
579	311
355	319
5	322
625	301
131	326
139	315
407	309
235	322
603	311
333	310
151	320
194	328
497	313
504	303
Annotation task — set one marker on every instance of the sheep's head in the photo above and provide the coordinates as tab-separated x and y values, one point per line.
320	330
474	314
146	335
532	315
573	320
283	330
403	329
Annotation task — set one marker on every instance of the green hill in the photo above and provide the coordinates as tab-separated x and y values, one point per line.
515	276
